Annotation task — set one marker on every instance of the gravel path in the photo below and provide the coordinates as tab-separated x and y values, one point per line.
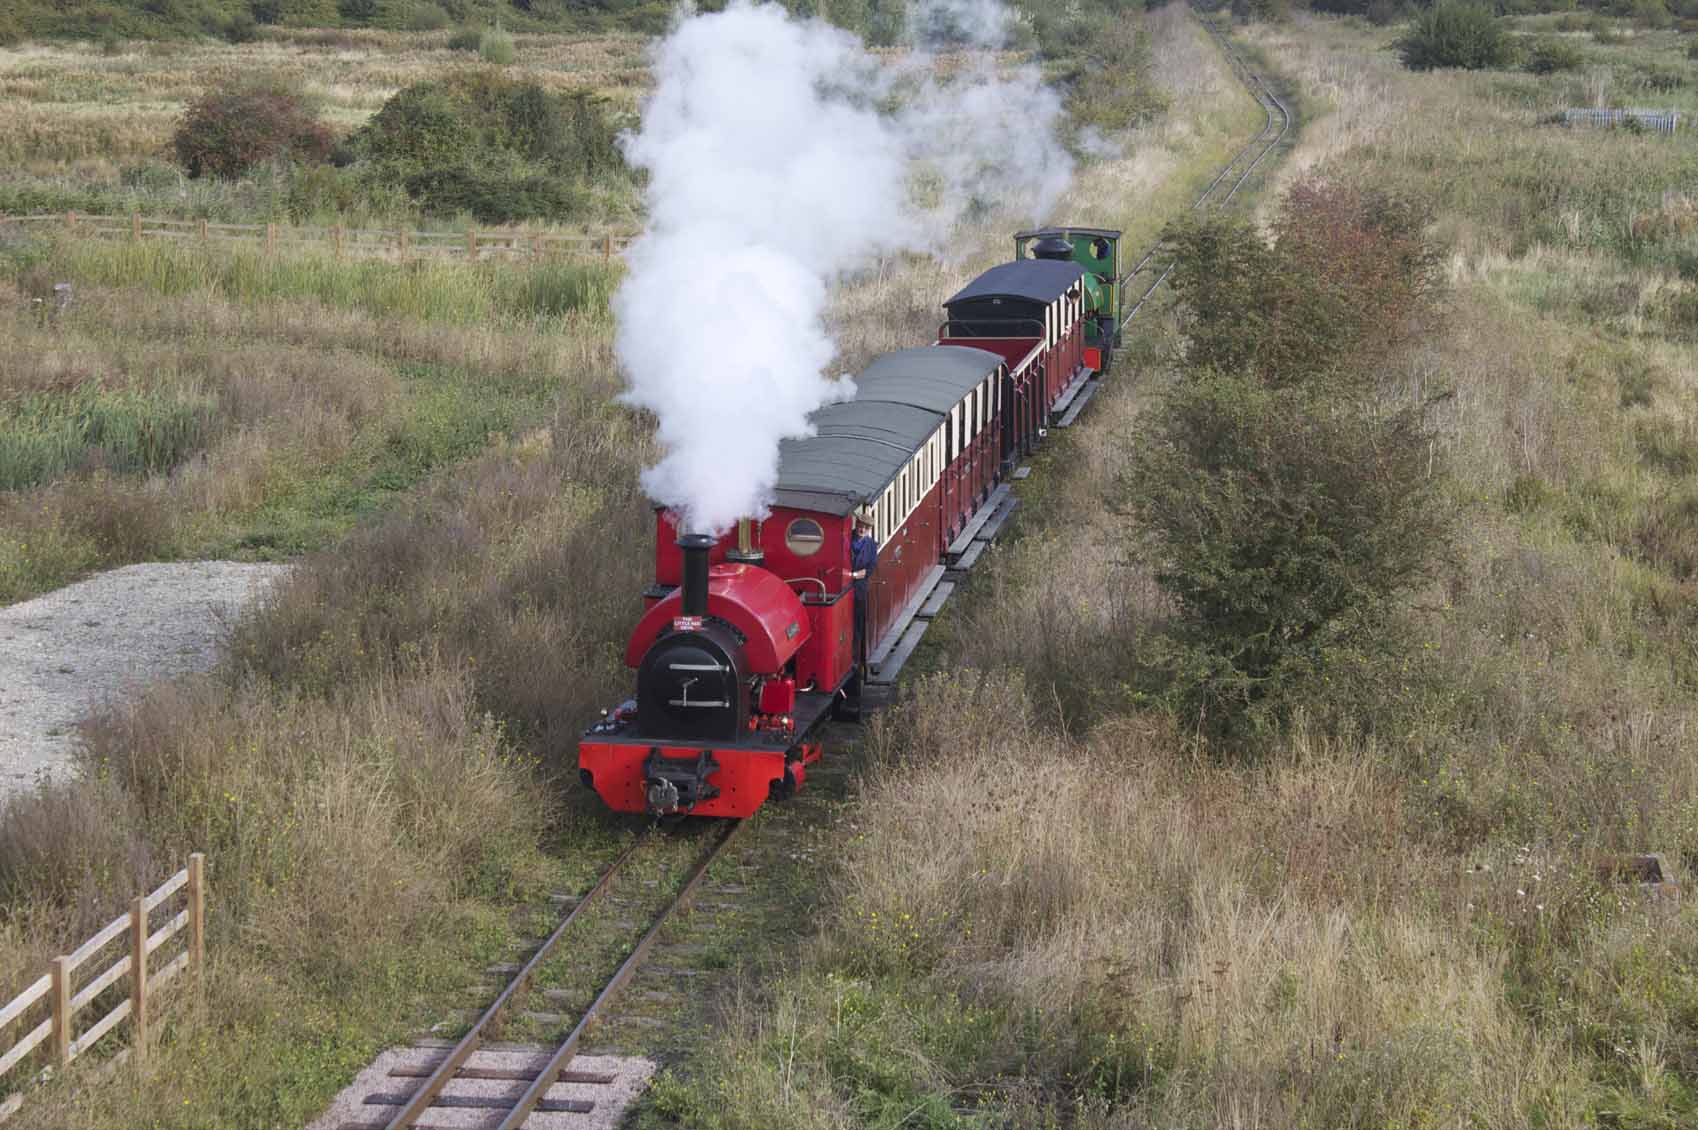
66	652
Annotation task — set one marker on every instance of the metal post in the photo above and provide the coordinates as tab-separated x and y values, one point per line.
197	913
62	1012
138	973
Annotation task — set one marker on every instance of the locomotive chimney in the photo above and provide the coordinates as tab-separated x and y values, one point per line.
747	551
1052	247
695	547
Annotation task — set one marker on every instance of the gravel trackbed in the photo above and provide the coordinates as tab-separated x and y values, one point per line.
65	653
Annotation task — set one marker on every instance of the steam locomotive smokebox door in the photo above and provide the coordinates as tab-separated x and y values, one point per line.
690	686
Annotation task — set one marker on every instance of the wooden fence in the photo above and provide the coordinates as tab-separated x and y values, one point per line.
368	243
60	995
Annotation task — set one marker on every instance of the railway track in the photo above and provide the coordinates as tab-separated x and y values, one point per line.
508	1111
1274	131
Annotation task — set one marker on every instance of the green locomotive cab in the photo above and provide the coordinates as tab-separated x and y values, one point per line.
1098	251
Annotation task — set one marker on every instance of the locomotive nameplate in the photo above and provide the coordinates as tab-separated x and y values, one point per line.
687	623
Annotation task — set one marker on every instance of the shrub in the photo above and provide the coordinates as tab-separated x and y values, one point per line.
267	11
357	11
1692	49
11	31
241	27
1281	523
426	17
466	39
498	148
1454	33
496	46
1278	500
1344	280
227	131
1548	56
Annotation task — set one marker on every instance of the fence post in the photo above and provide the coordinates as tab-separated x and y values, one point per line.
270	245
197	913
135	226
203	229
406	238
62	1012
70	220
138	973
338	241
607	249
471	244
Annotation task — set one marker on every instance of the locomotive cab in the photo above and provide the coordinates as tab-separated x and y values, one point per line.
1097	250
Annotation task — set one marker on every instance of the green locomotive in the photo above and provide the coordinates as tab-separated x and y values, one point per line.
1097	250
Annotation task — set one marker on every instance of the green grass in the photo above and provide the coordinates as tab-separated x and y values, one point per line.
456	293
44	436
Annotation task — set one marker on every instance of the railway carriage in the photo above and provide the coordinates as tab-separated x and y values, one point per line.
1031	312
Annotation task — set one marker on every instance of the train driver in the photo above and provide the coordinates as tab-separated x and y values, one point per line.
863	562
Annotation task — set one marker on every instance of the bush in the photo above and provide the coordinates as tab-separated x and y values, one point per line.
1279	500
496	46
241	27
228	131
498	148
1454	33
1345	280
267	11
1548	56
466	39
426	17
357	11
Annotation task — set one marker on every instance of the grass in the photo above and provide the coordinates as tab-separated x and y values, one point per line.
192	402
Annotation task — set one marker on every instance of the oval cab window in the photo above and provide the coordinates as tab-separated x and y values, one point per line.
804	537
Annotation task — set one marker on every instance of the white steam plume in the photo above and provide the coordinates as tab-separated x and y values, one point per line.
772	173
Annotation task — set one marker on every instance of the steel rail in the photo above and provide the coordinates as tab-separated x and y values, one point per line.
1275	110
432	1087
569	1048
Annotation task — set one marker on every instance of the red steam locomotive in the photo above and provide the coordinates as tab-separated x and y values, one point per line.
747	645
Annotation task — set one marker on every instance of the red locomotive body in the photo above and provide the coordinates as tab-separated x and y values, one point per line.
746	647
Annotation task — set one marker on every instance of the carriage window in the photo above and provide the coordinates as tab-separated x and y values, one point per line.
803	537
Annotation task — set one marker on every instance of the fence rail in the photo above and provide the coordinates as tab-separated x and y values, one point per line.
399	244
1657	121
57	997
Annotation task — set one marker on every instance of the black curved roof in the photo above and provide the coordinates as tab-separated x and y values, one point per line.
1031	280
860	445
933	377
1108	233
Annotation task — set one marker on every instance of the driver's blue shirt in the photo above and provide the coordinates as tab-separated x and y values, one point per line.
863	554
